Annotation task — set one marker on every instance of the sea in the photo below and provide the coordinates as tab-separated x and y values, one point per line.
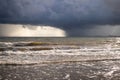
70	58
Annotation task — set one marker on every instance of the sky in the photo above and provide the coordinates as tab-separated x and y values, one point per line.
74	17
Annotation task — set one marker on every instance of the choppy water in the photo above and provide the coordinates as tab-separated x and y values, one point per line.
42	50
60	58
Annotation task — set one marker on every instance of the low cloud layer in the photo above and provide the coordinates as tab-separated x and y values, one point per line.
30	31
74	16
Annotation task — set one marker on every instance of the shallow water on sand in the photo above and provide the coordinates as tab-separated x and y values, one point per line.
95	70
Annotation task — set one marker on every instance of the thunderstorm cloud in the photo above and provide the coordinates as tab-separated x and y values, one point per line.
76	17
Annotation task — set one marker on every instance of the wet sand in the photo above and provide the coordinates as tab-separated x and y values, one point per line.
94	70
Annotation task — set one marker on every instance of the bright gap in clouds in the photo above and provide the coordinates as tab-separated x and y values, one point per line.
12	30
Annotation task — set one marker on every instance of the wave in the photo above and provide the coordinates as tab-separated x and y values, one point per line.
57	55
48	52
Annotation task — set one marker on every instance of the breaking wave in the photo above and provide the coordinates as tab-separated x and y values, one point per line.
47	52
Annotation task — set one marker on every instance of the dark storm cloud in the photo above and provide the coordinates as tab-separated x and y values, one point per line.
67	14
54	12
114	5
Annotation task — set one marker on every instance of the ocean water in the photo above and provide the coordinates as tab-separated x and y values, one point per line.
83	58
42	50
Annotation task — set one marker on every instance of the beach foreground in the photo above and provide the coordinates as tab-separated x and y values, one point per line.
94	70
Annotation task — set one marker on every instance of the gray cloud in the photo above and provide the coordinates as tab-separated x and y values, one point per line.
79	15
